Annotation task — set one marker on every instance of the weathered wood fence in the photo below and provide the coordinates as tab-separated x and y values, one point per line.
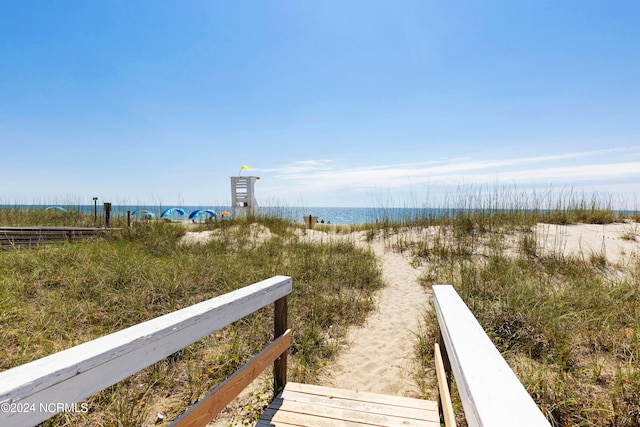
491	394
19	237
36	391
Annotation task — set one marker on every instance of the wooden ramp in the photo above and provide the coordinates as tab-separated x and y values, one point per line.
316	406
28	237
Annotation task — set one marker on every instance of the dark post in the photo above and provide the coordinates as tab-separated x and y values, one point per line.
129	219
95	209
445	358
107	213
279	327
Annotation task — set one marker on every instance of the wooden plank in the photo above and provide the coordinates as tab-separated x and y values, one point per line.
443	387
363	405
50	232
21	237
48	228
491	394
76	373
272	417
362	396
264	423
302	413
44	233
309	405
204	411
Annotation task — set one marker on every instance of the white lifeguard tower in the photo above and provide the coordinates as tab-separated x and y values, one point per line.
242	193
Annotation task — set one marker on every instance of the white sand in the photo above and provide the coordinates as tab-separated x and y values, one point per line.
619	243
379	356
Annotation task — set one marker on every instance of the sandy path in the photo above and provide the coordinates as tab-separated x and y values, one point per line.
379	357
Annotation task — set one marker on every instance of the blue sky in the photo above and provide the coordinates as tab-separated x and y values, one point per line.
331	103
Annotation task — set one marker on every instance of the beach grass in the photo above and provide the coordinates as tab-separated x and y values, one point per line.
22	216
60	295
568	324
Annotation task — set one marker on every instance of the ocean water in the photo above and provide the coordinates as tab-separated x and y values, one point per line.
333	215
343	215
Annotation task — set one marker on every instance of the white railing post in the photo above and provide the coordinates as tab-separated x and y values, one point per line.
491	394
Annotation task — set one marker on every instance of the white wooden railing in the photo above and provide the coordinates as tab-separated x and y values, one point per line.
36	391
491	394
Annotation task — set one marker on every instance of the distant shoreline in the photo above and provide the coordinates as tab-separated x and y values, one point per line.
330	215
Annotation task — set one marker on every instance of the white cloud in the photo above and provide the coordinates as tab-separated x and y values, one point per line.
596	168
301	167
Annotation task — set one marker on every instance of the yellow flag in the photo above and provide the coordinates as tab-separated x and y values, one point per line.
245	167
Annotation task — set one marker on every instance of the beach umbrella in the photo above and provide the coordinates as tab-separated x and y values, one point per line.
58	208
144	213
201	212
194	214
169	211
225	213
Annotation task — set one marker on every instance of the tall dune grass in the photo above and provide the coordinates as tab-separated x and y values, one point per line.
569	326
60	295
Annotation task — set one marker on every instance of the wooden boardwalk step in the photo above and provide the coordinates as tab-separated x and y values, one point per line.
317	406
